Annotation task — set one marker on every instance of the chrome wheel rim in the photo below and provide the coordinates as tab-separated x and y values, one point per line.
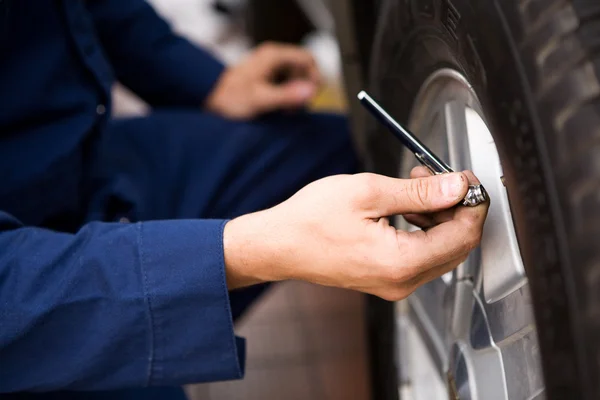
475	323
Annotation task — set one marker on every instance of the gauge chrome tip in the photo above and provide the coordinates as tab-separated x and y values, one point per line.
362	95
475	196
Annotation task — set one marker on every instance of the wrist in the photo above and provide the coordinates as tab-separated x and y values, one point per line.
252	253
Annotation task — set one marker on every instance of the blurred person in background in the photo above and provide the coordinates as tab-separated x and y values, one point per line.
129	247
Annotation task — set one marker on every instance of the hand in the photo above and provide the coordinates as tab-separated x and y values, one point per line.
249	89
428	220
335	232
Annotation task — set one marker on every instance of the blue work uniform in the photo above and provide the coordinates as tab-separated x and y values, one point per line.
111	255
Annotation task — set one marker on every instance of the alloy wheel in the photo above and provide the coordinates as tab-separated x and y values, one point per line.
470	334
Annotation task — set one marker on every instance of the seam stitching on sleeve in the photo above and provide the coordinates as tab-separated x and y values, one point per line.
148	304
233	345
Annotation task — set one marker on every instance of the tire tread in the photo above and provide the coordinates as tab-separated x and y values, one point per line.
571	89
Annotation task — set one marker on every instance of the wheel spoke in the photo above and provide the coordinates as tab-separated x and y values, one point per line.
455	124
503	270
456	127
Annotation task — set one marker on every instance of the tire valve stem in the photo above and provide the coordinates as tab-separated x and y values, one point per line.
503	180
476	194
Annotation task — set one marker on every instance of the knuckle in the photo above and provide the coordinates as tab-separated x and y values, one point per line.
366	183
367	179
420	191
268	47
308	57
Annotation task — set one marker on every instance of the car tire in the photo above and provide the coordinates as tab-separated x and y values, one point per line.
535	66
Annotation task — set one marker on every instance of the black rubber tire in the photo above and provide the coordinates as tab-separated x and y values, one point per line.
276	21
535	65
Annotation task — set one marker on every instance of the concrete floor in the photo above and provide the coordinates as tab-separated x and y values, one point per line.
304	342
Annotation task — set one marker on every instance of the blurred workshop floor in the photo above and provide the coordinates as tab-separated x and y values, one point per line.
305	342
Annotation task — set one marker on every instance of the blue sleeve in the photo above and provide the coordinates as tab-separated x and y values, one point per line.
114	306
161	67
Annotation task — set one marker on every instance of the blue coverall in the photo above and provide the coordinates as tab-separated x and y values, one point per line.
91	303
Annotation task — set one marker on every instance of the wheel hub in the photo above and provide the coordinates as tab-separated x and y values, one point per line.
465	318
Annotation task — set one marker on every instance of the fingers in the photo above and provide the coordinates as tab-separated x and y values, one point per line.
453	234
446	241
473	180
423	221
427	221
423	172
420	172
273	56
300	83
390	196
405	287
291	95
428	254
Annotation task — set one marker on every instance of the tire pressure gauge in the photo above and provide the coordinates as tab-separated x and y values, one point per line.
476	194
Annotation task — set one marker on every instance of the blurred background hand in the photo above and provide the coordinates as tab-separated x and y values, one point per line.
273	77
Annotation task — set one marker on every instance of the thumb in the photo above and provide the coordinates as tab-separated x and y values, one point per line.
421	195
289	95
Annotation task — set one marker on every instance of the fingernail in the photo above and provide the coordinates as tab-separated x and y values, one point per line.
452	185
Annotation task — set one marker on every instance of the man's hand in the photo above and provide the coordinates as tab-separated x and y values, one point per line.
251	88
335	232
